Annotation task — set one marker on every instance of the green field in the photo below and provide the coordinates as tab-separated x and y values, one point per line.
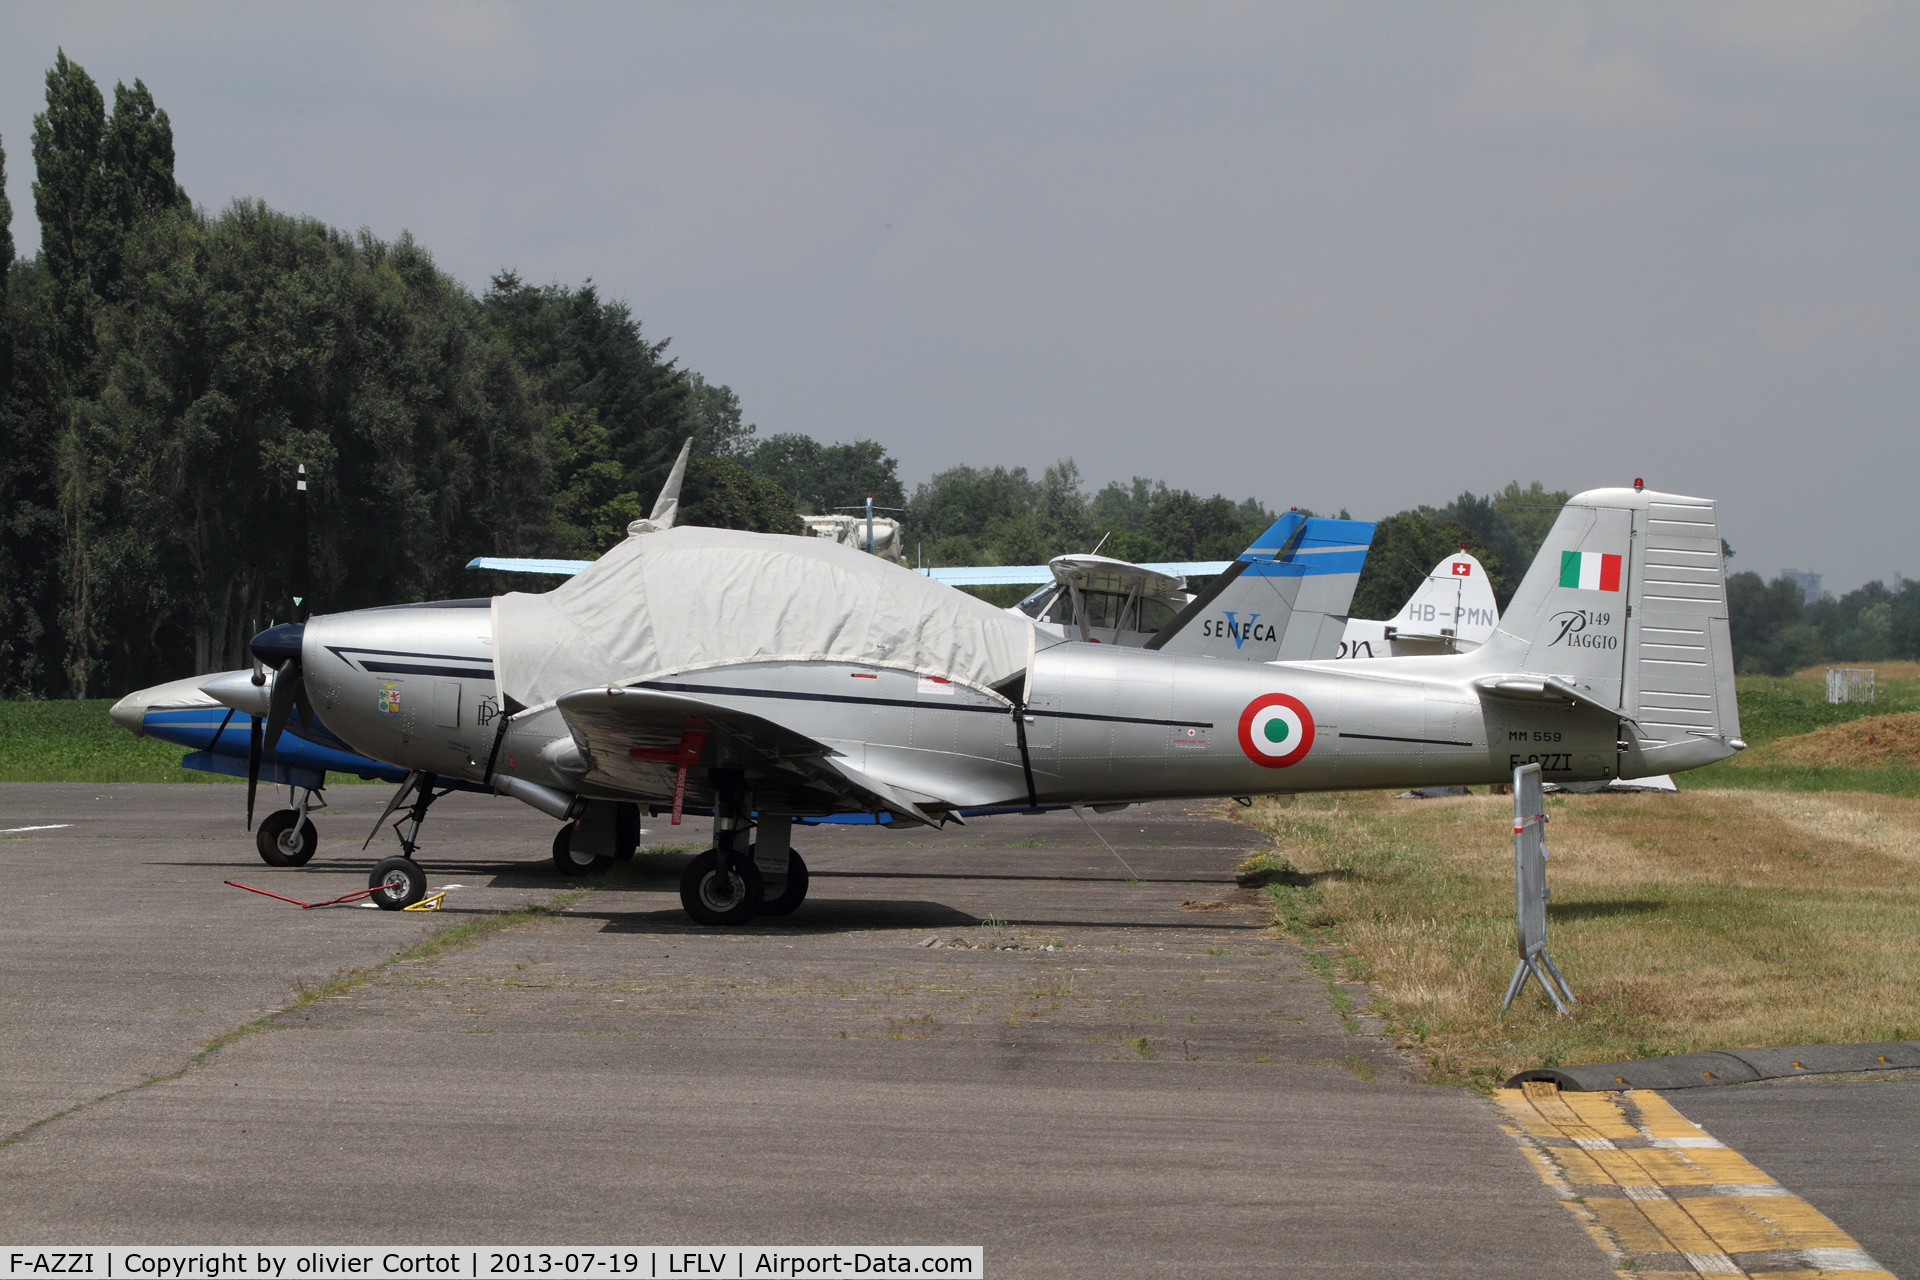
1772	708
79	742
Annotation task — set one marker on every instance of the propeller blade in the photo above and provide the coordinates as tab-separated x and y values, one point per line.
302	705
286	687
253	765
298	581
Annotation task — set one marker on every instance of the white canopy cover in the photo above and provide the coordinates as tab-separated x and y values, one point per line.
688	598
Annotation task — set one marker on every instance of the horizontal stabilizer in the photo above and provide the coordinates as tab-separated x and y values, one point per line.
1529	687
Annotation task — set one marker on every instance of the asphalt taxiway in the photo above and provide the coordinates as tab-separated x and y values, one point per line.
982	1035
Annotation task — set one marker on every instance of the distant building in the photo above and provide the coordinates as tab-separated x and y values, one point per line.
1809	583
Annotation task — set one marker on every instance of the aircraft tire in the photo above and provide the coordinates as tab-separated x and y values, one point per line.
397	883
567	864
794	894
715	899
271	838
626	832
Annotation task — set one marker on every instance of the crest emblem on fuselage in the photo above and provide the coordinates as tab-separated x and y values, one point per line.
1276	730
388	700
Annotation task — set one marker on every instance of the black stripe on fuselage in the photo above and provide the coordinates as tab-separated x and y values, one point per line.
482	670
792	696
1425	742
415	669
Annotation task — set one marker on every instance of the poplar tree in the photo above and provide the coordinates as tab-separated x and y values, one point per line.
68	196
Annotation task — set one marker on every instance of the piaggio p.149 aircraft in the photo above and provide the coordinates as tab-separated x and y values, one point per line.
765	679
1276	598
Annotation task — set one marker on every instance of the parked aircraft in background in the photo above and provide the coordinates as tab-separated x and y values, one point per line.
765	679
1284	597
1452	611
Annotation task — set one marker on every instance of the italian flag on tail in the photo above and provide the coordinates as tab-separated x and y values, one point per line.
1589	571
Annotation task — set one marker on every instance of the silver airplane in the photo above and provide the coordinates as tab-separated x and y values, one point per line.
765	680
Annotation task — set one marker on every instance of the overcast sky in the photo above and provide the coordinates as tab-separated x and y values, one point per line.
1323	254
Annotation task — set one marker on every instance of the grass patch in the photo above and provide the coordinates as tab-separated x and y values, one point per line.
1781	706
77	741
1775	710
1711	919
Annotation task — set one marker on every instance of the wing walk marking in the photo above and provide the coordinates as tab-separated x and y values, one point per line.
1384	737
791	696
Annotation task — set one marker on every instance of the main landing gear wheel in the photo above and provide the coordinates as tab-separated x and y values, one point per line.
713	895
397	883
282	843
794	894
569	863
626	833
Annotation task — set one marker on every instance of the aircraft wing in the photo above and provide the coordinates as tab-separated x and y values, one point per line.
992	575
1034	575
562	568
635	734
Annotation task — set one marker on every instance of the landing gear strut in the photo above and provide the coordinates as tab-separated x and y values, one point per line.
612	834
286	837
741	876
400	882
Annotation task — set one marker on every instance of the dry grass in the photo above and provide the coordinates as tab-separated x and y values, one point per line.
1708	919
1879	742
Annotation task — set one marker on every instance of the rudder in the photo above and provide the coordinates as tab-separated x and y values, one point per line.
1626	603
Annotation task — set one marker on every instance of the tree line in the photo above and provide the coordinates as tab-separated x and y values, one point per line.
163	370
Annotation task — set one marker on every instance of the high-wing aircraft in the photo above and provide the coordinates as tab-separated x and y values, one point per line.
1451	611
1284	597
765	679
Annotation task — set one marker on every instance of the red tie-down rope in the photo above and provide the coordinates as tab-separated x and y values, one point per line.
308	906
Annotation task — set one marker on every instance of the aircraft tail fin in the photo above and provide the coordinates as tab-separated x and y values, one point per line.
1625	607
666	508
1284	598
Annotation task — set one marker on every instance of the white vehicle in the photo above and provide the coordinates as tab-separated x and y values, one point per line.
1453	611
879	535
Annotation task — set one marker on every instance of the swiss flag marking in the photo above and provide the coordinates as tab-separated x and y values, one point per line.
1462	569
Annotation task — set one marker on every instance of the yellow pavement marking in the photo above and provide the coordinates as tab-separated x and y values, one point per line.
1617	1161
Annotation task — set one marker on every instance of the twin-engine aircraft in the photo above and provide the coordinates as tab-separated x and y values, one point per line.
767	679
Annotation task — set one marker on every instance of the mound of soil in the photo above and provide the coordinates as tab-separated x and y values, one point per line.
1876	742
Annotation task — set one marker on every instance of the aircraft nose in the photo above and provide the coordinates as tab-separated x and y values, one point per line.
276	644
130	713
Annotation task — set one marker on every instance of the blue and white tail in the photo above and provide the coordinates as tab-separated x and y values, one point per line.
1284	598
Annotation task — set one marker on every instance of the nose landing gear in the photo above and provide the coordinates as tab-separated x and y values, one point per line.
397	884
400	882
286	838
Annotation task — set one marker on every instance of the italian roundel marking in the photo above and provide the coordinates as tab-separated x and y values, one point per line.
1276	730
